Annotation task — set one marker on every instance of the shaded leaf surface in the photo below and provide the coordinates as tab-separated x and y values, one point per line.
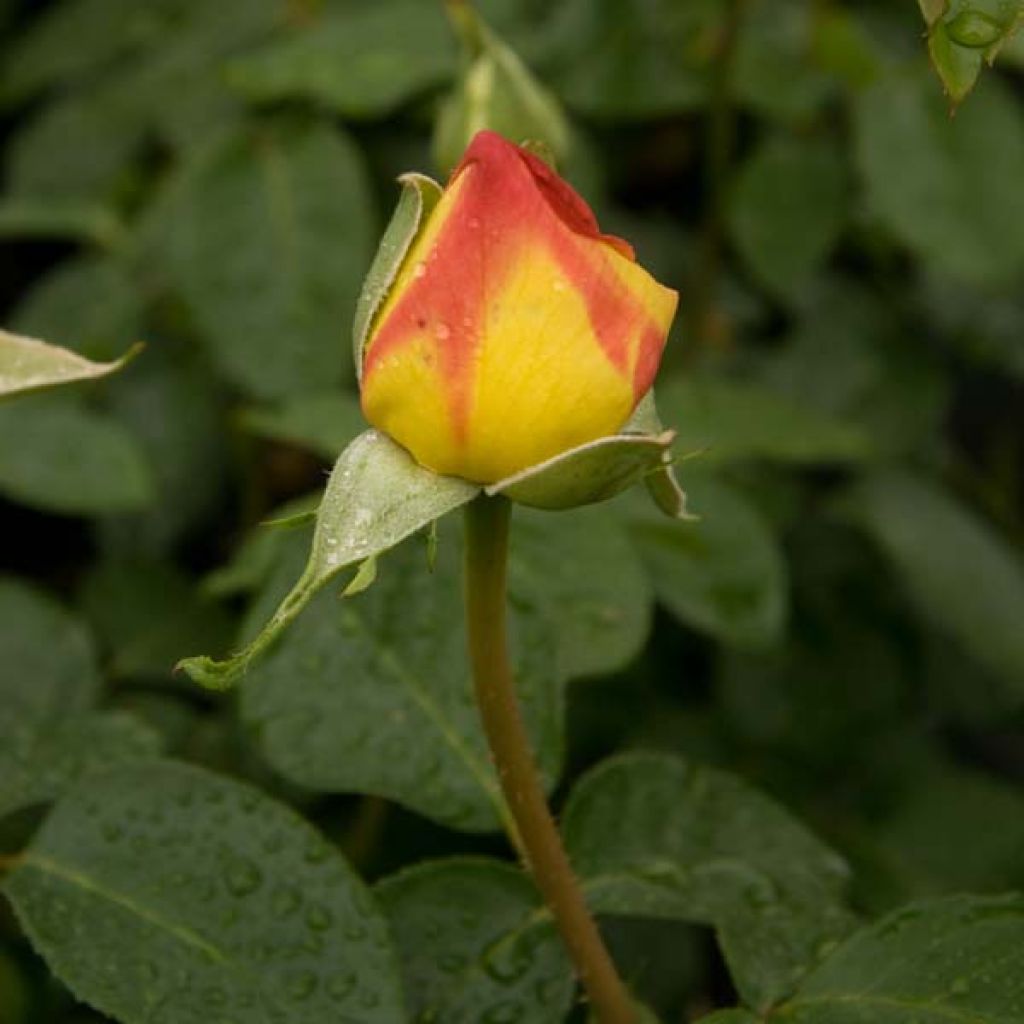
268	236
475	944
66	458
583	566
959	959
49	736
201	899
956	569
653	836
723	573
372	694
948	188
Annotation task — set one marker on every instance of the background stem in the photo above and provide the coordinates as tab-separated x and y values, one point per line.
487	527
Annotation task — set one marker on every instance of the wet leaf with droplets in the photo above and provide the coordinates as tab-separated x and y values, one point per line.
372	694
653	836
49	733
476	945
154	894
955	959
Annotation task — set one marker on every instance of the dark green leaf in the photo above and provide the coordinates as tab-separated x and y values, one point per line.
948	188
88	304
65	458
787	210
959	959
149	615
722	573
735	419
40	760
325	422
653	836
163	892
476	945
268	235
361	61
583	565
372	694
642	59
49	737
957	570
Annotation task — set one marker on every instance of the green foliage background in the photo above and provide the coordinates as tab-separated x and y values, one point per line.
784	722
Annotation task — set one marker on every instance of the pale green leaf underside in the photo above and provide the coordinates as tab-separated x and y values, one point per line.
27	364
165	893
377	496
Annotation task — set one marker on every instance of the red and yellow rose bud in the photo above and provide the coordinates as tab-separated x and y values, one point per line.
514	330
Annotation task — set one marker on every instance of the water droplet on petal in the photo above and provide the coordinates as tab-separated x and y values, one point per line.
442	332
419	270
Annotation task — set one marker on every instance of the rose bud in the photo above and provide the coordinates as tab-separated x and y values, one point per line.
514	330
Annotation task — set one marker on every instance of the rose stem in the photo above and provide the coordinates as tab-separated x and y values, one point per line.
486	557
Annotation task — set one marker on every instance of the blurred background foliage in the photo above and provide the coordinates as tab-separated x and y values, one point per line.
843	627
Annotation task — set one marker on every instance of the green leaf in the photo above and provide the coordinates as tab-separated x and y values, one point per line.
27	365
49	736
44	644
69	459
166	890
87	302
324	422
652	836
959	572
376	497
958	959
148	614
735	419
361	61
850	358
947	188
475	944
30	217
418	198
787	210
583	564
958	66
774	72
40	760
267	234
950	828
495	91
724	573
730	1017
593	472
75	38
172	406
372	694
641	59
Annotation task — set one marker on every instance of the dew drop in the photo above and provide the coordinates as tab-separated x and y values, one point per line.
420	270
318	918
341	986
242	877
442	331
301	985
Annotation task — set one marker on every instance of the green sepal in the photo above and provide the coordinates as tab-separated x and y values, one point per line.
420	195
592	472
28	365
377	496
661	483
